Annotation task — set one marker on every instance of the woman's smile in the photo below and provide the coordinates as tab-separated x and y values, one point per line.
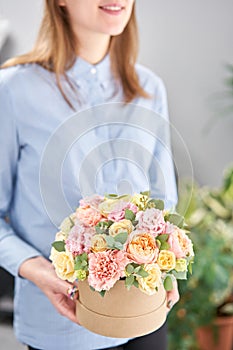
112	9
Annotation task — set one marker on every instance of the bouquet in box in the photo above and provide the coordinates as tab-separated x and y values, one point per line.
130	239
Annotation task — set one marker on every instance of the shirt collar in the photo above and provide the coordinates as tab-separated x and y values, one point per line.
83	71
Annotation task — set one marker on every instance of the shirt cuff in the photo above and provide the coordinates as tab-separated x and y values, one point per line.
13	252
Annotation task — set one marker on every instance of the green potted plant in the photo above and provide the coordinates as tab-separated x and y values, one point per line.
206	298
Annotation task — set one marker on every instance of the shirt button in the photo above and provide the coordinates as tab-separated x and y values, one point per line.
93	70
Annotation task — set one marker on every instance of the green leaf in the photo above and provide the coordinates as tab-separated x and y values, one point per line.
129	215
93	289
176	219
135	283
164	246
156	203
78	265
84	263
168	285
162	238
142	273
180	275
102	293
110	241
121	237
129	281
137	269
145	193
158	243
129	269
118	245
59	246
111	195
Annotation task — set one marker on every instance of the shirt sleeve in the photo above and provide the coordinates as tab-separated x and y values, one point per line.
162	172
13	250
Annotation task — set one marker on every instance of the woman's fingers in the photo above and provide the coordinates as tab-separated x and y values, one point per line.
173	296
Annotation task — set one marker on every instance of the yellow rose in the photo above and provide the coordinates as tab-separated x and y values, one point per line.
140	200
150	283
107	206
121	226
181	265
68	223
98	243
64	265
61	236
166	260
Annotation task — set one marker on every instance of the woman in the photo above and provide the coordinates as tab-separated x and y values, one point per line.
85	55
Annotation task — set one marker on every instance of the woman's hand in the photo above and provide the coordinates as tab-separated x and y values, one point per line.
173	296
41	272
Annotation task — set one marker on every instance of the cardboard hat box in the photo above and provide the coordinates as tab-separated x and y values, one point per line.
121	313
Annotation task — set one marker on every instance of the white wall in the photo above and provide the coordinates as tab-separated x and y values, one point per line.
187	43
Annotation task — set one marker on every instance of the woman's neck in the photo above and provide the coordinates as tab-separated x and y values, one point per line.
92	47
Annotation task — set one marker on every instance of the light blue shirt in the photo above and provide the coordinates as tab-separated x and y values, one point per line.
32	111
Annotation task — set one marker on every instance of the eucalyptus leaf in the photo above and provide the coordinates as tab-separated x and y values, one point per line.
142	273
164	246
102	293
110	241
168	285
129	269
59	246
145	193
182	275
121	237
135	283
118	245
176	219
156	203
163	237
129	281
129	215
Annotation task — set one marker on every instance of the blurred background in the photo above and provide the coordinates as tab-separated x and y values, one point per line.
189	45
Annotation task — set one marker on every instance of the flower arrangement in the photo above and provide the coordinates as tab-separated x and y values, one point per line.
126	237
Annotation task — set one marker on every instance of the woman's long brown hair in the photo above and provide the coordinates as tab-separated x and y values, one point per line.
56	50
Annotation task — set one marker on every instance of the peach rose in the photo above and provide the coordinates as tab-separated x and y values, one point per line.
121	226
64	265
88	216
142	248
166	260
150	283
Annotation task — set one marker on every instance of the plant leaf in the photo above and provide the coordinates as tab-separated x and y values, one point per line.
168	285
118	245
129	281
129	269
142	273
121	237
102	293
110	241
129	215
59	246
162	238
176	219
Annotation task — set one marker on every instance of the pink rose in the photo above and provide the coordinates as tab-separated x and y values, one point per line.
151	220
92	201
106	268
88	216
180	244
118	213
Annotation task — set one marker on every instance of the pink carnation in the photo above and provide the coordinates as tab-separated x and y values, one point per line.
87	236
75	241
105	268
118	213
88	216
151	220
180	244
92	201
